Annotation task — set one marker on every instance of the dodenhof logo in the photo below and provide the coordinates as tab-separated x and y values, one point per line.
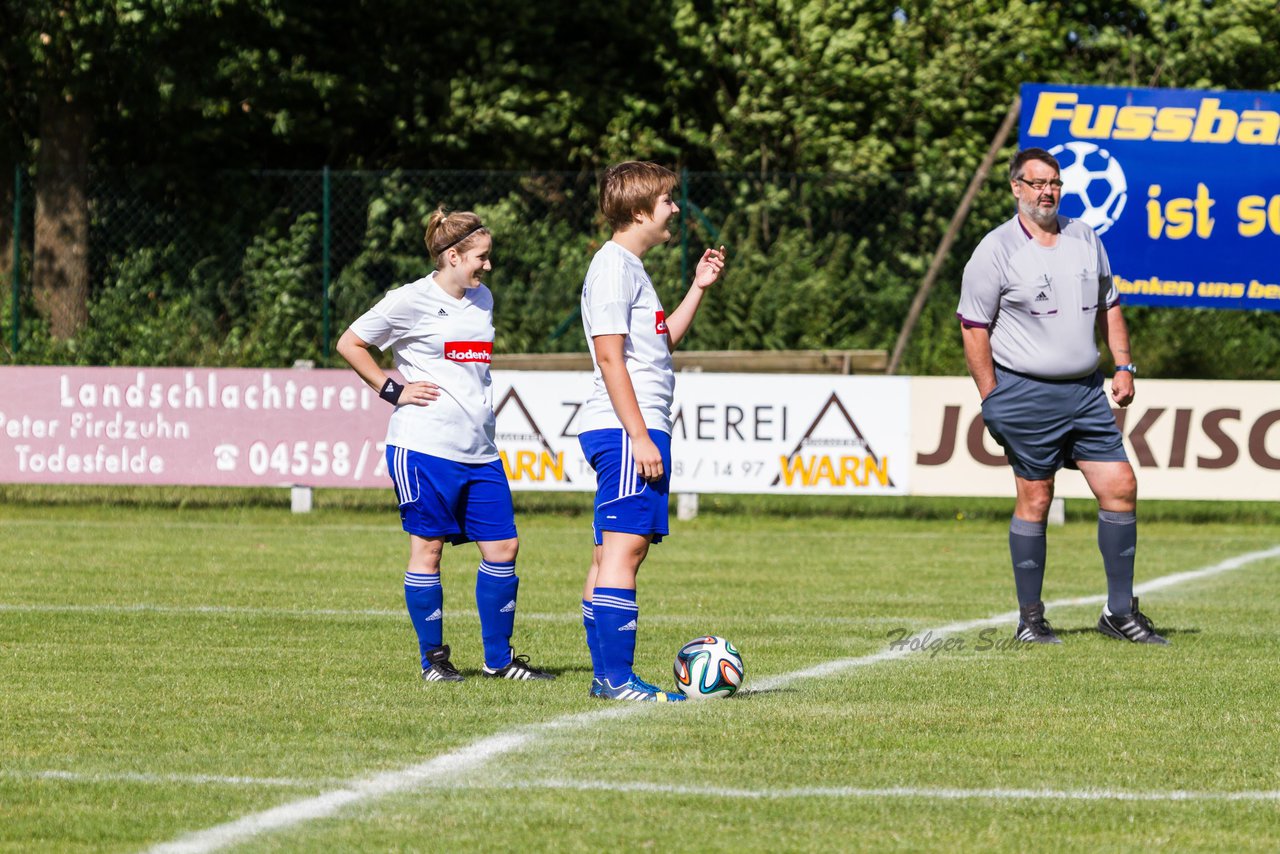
1094	187
469	351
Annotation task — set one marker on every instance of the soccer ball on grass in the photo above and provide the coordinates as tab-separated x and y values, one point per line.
708	667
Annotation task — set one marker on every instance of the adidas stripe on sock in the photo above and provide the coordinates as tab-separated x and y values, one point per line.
496	588
617	617
424	597
593	644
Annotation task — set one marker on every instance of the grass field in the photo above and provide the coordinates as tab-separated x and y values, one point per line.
226	676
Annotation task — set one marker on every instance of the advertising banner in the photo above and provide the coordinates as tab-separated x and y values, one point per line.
1186	440
817	435
190	426
245	427
733	433
1180	184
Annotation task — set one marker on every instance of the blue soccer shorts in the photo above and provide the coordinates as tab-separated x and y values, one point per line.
1044	425
456	502
626	503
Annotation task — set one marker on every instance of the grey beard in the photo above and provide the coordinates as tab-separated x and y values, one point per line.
1040	216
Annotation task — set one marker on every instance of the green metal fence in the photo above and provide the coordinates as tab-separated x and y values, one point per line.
266	268
16	262
261	269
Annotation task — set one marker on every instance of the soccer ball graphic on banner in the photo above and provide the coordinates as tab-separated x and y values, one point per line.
1094	188
708	667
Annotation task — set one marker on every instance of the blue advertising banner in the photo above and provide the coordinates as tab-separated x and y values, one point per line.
1183	186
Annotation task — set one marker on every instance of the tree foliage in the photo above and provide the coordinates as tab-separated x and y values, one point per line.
845	134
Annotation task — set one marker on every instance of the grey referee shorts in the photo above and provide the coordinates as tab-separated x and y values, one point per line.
1044	425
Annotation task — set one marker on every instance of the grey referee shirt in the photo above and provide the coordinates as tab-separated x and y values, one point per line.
1040	303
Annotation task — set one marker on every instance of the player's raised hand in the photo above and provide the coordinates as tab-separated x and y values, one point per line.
419	394
709	268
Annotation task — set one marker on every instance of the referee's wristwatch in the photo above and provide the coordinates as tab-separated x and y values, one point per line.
1129	369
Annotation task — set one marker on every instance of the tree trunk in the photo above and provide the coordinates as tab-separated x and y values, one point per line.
60	272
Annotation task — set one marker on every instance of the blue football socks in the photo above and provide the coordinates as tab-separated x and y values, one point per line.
424	598
496	587
593	643
616	616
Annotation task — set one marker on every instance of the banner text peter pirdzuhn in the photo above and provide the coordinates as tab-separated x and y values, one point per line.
190	426
250	427
732	433
1181	184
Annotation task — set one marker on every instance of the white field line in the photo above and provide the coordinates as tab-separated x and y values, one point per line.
240	527
855	792
168	779
827	668
378	528
567	616
211	610
450	764
718	792
476	754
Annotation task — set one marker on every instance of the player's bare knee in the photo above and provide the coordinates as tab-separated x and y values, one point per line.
1033	501
501	551
425	562
1118	492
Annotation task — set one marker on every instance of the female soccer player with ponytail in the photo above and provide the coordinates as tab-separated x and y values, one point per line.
441	453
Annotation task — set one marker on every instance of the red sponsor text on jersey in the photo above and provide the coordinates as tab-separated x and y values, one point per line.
469	351
660	326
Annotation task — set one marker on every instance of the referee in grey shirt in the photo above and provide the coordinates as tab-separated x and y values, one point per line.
1032	295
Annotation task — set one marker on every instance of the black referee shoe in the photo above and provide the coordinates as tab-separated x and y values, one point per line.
1135	626
439	669
1033	627
518	669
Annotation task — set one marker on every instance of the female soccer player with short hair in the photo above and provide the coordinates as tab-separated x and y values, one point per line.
625	426
441	453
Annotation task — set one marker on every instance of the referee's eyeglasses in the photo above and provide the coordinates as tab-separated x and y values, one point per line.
1040	184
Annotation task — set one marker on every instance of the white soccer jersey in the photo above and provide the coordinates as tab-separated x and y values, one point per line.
618	298
449	342
1041	303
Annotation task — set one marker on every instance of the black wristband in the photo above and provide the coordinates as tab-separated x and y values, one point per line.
391	392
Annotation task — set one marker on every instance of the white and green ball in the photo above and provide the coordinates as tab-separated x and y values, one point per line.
708	667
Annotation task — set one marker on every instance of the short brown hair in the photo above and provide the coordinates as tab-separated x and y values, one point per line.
1020	159
456	230
630	189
